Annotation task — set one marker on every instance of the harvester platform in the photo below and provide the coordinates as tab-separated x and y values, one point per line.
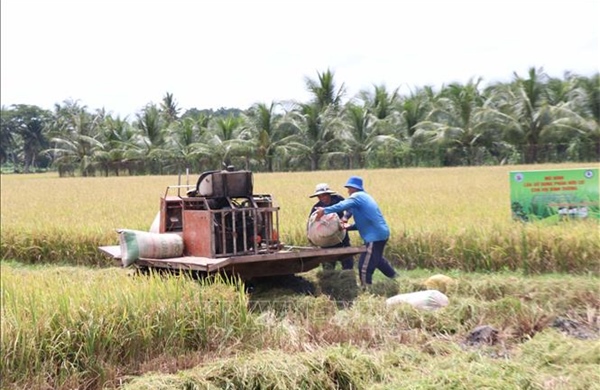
287	261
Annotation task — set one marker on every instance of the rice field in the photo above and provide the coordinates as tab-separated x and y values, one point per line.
71	321
445	218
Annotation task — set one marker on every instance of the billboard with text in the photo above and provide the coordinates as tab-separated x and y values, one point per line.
562	194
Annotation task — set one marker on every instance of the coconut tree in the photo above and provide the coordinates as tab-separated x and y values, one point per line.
75	133
383	106
150	147
414	108
586	104
458	122
8	131
557	90
268	133
534	113
526	111
226	139
380	102
317	123
186	142
168	108
577	123
326	94
117	137
407	112
24	126
360	134
587	94
316	134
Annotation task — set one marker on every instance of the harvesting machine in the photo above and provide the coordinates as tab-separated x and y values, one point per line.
227	228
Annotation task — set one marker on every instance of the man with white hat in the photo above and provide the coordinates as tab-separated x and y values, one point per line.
328	197
371	226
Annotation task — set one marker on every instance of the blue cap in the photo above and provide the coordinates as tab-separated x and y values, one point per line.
355	182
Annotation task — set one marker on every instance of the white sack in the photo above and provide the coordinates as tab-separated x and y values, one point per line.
325	232
136	244
427	299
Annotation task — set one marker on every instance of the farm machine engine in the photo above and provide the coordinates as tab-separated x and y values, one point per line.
222	217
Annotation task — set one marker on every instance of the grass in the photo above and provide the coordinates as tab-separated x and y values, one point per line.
79	324
66	327
432	367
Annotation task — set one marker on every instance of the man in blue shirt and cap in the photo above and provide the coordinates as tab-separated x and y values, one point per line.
371	226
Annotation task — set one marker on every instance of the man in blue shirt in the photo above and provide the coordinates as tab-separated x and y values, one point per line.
371	226
328	197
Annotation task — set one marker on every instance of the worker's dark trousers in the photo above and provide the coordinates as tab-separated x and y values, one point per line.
373	259
347	262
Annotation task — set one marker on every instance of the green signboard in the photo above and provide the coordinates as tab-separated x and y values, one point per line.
565	194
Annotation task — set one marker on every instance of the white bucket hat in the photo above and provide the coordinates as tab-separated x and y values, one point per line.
322	188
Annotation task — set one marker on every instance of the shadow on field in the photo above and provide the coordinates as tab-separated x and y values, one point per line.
271	286
340	287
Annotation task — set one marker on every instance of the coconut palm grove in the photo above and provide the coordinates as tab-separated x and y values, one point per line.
532	119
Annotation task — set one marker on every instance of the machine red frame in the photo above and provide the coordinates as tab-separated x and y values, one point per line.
228	229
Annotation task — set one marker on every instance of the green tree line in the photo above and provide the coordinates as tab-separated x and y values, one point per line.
532	119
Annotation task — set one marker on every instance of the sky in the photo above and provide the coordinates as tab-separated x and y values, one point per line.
121	55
